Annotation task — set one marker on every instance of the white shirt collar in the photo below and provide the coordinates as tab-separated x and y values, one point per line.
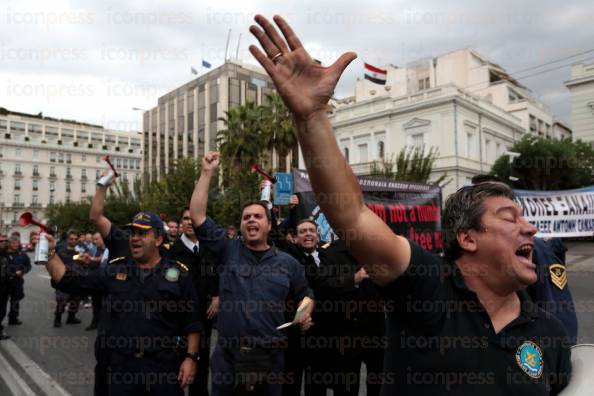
188	243
316	256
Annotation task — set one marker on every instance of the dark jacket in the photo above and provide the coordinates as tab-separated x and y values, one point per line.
202	269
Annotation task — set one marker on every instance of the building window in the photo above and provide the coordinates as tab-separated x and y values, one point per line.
17	184
68	172
35	185
51	199
52	186
533	127
418	140
470	144
97	174
363	153
67	187
17	169
345	151
97	159
83	188
35	170
52	171
471	141
83	158
35	153
52	156
68	158
381	150
17	152
60	157
34	200
83	173
498	149
488	156
17	198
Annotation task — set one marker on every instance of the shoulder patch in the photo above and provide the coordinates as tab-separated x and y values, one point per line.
182	266
326	245
117	259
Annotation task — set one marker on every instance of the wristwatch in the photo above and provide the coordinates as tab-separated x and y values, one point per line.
193	355
50	254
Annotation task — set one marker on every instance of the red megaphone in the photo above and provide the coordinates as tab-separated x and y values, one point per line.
106	159
27	218
257	168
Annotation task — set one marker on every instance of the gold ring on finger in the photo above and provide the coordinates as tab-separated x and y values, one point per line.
274	59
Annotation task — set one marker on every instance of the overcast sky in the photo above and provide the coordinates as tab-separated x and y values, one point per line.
94	60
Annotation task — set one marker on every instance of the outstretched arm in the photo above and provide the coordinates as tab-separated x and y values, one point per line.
306	87
199	201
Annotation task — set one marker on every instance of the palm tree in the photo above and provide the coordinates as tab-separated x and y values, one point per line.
243	140
281	134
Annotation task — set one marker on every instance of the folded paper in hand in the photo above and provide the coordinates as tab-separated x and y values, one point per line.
299	314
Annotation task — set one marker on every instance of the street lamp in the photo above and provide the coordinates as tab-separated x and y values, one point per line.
512	156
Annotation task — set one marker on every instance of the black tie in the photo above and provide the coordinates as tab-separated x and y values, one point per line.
195	249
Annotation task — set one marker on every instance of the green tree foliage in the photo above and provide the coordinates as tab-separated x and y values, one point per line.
411	164
280	131
242	142
173	191
548	164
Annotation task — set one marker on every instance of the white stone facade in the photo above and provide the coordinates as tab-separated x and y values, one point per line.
460	103
45	161
581	86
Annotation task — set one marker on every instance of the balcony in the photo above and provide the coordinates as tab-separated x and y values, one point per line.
36	175
53	176
68	177
35	205
17	205
18	173
84	178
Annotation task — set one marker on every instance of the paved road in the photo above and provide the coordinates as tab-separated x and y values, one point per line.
66	354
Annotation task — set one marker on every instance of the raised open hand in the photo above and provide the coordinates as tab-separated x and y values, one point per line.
304	85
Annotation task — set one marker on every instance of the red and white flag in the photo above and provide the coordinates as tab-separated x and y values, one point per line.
375	74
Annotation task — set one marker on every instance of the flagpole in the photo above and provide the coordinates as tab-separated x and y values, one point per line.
227	45
237	50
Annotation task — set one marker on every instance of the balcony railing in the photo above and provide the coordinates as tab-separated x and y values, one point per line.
35	205
18	205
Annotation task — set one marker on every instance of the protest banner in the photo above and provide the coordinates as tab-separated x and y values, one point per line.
410	209
566	213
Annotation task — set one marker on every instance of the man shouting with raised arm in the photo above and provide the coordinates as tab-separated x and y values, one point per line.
460	325
256	280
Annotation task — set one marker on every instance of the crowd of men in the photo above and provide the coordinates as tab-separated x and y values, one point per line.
295	312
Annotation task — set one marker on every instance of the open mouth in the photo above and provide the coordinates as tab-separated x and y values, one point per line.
252	230
525	251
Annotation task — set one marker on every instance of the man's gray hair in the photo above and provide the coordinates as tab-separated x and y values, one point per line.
463	211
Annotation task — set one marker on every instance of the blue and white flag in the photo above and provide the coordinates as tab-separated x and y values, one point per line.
206	64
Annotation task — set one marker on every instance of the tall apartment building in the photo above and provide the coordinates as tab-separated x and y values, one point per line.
185	121
581	87
461	103
44	160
